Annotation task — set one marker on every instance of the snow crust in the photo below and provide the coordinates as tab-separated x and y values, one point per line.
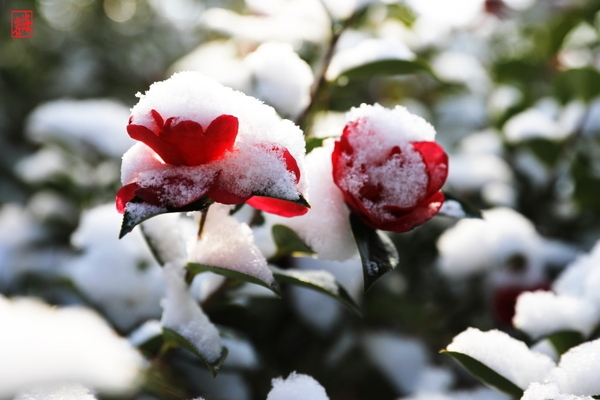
475	245
576	372
58	392
544	391
98	122
574	306
45	345
182	314
328	210
507	356
229	244
296	387
543	313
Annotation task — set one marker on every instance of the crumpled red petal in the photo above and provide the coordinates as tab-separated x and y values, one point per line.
185	142
280	207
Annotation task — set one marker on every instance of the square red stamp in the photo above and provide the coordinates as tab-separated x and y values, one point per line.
21	24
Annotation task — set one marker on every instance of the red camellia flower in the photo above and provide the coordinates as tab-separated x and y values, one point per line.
389	169
186	161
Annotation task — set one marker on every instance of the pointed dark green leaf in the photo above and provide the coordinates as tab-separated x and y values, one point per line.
387	67
130	220
313	280
194	269
486	375
377	251
456	207
174	338
288	242
563	341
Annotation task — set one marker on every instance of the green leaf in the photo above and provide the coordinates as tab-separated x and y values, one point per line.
195	269
151	245
564	340
130	220
288	242
387	67
581	83
377	251
457	207
314	142
314	280
174	338
486	374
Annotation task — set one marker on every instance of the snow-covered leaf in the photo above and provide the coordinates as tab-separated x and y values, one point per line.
288	242
563	341
131	220
456	207
486	374
195	268
172	337
387	67
314	279
377	251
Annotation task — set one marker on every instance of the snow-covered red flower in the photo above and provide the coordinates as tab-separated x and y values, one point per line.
200	142
388	167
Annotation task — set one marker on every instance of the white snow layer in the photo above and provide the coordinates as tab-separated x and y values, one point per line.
119	276
182	314
297	387
481	393
576	372
328	210
57	392
475	245
545	391
98	122
507	356
540	314
281	78
229	244
575	306
255	164
43	345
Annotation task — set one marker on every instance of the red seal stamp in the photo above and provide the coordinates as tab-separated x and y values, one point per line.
21	24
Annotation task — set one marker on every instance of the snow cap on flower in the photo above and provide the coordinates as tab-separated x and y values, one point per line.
389	168
201	139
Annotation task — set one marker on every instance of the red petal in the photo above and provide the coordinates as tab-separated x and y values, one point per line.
291	164
420	214
197	147
436	163
222	196
280	207
124	196
168	154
